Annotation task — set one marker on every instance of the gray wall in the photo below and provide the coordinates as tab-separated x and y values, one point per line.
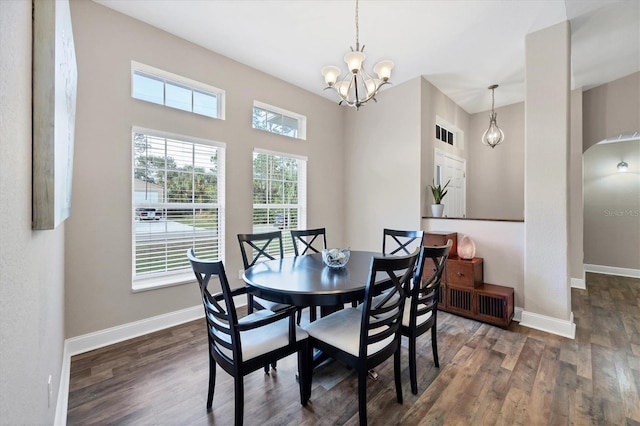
382	173
546	283
495	176
98	260
31	262
612	205
611	109
435	103
576	216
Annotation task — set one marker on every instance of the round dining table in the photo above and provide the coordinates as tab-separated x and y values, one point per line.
306	281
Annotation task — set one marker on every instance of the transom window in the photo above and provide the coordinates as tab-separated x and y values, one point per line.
449	134
277	120
161	87
178	203
279	194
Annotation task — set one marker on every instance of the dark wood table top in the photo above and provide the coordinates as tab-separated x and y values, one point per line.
306	280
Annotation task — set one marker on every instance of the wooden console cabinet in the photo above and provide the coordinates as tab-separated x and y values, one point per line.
464	292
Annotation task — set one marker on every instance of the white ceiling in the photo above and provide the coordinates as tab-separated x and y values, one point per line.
460	46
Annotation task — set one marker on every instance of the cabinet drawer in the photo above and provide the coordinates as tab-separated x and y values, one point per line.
440	238
465	273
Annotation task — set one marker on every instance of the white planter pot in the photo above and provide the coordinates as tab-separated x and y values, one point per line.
437	209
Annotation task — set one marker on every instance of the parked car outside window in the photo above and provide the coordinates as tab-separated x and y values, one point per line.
147	214
280	221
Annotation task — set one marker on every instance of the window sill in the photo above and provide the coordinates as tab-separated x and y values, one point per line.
153	283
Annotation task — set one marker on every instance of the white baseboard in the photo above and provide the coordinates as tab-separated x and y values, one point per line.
578	283
612	270
549	324
109	336
517	314
62	404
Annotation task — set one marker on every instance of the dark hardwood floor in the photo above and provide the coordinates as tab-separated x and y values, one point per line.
487	375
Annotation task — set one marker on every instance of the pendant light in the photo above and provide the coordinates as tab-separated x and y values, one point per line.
493	135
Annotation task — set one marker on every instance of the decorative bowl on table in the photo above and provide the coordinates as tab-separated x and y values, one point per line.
335	257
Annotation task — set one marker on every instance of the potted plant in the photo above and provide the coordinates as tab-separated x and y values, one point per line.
438	192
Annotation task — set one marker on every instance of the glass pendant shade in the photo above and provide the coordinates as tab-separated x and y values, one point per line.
330	74
354	60
622	166
343	88
383	69
372	85
494	134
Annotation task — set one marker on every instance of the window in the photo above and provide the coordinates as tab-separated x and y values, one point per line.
448	133
277	120
161	87
279	194
178	203
444	135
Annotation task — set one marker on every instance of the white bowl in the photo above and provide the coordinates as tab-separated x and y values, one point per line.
335	257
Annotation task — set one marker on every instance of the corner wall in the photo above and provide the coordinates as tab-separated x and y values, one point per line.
99	234
31	262
382	169
435	103
547	295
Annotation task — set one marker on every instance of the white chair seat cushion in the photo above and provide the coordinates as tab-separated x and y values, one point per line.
407	314
407	309
272	306
264	339
341	329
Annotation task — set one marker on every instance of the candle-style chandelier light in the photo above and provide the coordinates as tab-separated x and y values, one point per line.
358	87
493	135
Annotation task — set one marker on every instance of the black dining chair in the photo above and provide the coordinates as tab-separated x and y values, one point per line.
421	309
257	248
307	241
364	338
399	242
241	346
396	242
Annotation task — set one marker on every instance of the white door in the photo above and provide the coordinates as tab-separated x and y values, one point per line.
448	167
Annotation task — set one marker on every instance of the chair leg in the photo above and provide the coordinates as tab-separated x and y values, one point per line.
309	370
239	402
397	374
266	369
412	364
312	314
362	396
303	375
274	364
434	345
212	382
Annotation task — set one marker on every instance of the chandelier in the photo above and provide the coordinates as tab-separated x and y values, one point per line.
358	87
493	135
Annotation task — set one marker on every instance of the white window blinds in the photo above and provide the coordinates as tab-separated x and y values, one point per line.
178	202
279	194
